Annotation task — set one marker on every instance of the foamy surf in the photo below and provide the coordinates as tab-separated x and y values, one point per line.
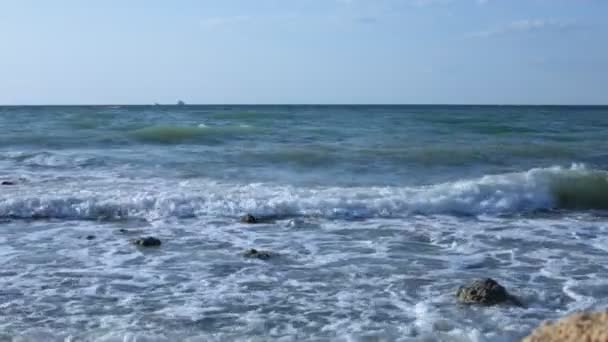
537	189
374	216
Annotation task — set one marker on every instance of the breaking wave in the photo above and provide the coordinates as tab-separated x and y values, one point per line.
576	188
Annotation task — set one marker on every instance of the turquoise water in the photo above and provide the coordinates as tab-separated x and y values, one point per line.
377	214
391	145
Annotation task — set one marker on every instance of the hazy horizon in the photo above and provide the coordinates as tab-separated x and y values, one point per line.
303	104
479	52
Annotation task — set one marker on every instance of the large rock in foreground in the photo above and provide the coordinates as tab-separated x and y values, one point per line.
483	291
585	326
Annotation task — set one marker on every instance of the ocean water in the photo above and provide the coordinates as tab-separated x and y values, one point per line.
375	216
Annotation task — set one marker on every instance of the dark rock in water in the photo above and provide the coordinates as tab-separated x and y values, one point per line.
485	292
7	183
147	242
122	230
249	219
254	253
90	237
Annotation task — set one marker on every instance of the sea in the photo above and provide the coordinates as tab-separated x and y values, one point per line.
373	217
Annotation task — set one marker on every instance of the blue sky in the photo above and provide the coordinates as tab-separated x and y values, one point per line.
304	51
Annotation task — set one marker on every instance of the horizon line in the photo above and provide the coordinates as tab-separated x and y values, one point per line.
302	104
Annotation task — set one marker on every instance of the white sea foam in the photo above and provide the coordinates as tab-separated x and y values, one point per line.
50	160
384	279
542	188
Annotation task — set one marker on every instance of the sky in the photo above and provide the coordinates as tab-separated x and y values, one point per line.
303	51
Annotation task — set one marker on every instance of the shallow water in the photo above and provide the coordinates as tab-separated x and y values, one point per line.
377	214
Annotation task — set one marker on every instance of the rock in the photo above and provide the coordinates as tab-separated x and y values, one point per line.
7	183
254	253
249	219
131	232
484	291
147	242
583	326
90	237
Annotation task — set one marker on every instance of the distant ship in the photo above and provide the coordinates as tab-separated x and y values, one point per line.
181	103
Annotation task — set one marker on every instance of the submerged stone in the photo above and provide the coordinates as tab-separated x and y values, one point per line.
254	253
249	219
130	231
485	292
147	242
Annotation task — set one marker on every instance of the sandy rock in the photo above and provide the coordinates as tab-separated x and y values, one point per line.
584	326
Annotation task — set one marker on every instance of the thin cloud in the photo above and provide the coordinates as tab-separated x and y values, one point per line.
424	3
417	3
215	22
526	26
366	20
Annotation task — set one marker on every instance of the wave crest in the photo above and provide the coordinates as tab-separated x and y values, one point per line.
166	134
537	189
